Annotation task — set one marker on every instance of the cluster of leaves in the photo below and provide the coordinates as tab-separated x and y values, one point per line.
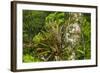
44	36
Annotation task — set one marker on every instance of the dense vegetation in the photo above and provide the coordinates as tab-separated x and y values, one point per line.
56	36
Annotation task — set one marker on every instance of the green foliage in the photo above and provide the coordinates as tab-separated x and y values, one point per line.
87	35
57	17
44	36
38	38
28	58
